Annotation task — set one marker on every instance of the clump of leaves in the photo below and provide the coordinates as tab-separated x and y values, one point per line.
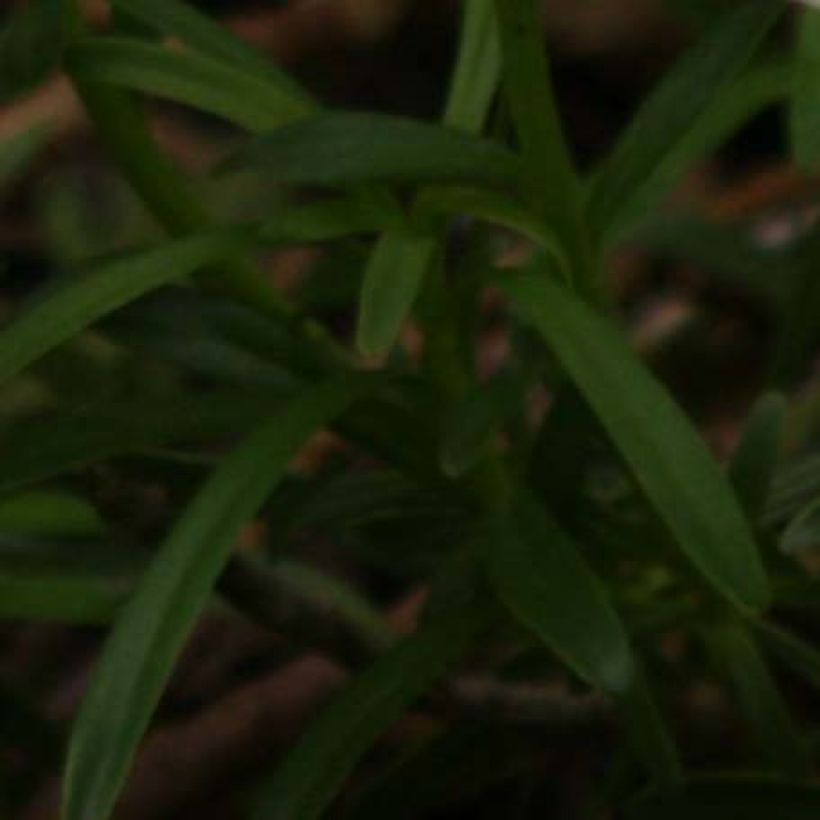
529	566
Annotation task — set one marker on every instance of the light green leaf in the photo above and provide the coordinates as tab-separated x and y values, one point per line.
140	653
392	279
210	38
313	773
249	100
759	700
541	577
81	300
688	98
805	108
753	463
344	148
803	533
735	798
666	456
31	42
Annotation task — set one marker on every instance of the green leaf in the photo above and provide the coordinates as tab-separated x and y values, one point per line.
759	700
44	448
735	798
690	91
210	38
541	577
667	457
344	148
468	433
92	598
31	42
753	463
805	108
313	773
49	513
478	68
803	533
795	485
81	300
249	100
392	280
140	653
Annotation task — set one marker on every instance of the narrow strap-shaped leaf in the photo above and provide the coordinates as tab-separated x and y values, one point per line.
675	106
795	485
753	463
392	280
81	300
346	148
733	106
805	107
759	700
648	734
735	798
140	652
203	34
313	773
49	513
667	457
80	598
803	532
43	448
475	77
543	580
17	153
249	100
552	183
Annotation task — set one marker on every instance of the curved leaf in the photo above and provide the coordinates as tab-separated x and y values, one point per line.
667	457
313	773
805	108
247	99
140	652
81	300
687	93
344	148
541	577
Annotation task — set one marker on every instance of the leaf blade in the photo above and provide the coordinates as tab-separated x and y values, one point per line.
149	633
312	774
667	457
550	589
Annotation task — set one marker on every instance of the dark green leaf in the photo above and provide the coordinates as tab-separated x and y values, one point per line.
82	300
140	653
250	100
44	448
30	46
313	773
541	577
795	485
666	456
203	34
343	148
759	700
49	514
737	798
803	533
753	463
805	108
688	97
392	280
